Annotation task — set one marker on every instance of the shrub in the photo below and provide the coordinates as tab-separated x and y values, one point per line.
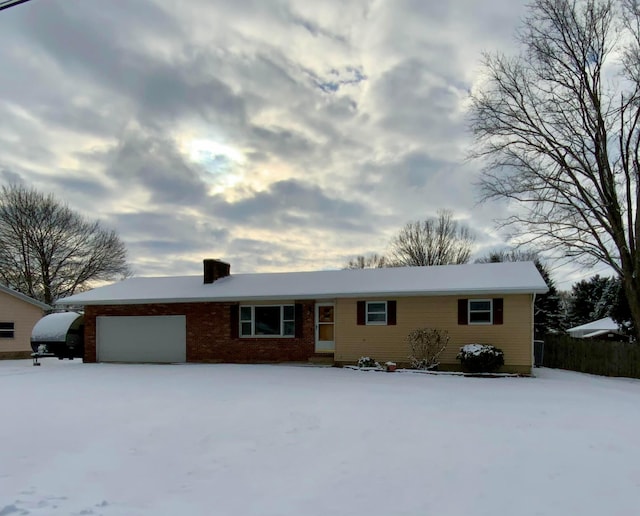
426	344
367	362
480	358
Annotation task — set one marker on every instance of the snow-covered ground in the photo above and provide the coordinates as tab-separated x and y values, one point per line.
83	439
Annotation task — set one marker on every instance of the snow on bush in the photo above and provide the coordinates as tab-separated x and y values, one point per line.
367	362
480	358
426	344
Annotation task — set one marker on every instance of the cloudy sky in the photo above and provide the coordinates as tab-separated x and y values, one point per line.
274	134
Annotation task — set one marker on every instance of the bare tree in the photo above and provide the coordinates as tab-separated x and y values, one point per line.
439	240
11	3
559	128
370	261
510	255
49	251
426	345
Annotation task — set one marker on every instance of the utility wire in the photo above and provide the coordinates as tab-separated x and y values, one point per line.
10	3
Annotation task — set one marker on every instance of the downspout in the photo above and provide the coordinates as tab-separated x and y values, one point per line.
533	331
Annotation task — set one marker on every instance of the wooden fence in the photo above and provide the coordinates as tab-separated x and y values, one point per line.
592	356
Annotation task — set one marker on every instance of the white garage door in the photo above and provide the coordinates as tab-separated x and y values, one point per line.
141	339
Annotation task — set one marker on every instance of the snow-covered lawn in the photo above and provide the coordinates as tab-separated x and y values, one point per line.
282	440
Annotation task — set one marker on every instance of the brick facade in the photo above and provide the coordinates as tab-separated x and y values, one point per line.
209	336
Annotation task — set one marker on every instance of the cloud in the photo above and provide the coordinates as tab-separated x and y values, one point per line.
9	177
291	204
278	135
151	163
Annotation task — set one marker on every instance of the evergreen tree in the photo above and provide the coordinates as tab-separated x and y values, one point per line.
599	297
591	299
548	314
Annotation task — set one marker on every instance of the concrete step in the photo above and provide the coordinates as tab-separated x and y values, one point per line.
322	359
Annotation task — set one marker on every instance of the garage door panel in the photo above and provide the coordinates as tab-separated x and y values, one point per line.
141	339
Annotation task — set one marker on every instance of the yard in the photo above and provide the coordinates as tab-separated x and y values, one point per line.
91	439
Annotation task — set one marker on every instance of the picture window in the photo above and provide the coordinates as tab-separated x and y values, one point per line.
267	321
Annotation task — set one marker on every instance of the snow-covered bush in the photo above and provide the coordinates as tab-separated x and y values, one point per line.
426	344
367	362
480	358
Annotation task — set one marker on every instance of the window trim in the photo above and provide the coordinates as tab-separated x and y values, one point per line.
253	335
469	311
8	333
376	323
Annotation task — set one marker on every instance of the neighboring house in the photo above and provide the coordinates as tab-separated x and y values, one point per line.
297	316
18	316
602	329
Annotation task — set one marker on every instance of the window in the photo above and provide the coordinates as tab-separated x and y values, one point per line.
7	330
480	311
267	321
376	312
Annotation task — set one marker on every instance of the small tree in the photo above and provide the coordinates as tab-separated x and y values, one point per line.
48	251
439	240
426	345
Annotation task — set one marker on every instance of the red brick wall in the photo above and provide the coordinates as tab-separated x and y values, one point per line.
209	334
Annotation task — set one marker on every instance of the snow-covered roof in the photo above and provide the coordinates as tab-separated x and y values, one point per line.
469	279
54	327
598	333
606	324
24	298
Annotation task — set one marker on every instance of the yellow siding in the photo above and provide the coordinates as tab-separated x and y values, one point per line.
24	316
385	343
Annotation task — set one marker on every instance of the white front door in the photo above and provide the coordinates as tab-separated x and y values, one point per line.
325	321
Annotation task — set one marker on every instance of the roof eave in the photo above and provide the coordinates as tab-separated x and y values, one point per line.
298	296
25	298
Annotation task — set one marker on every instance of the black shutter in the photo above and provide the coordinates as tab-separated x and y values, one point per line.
391	313
498	310
299	321
361	312
234	321
463	312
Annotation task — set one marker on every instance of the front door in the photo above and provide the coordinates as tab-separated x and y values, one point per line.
325	319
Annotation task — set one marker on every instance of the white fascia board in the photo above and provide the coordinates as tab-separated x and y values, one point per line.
288	297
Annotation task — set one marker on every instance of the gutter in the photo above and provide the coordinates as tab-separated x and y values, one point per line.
294	296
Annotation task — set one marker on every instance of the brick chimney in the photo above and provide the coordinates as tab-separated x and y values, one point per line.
215	269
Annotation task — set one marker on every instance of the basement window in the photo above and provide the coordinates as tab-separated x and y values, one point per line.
267	321
7	330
